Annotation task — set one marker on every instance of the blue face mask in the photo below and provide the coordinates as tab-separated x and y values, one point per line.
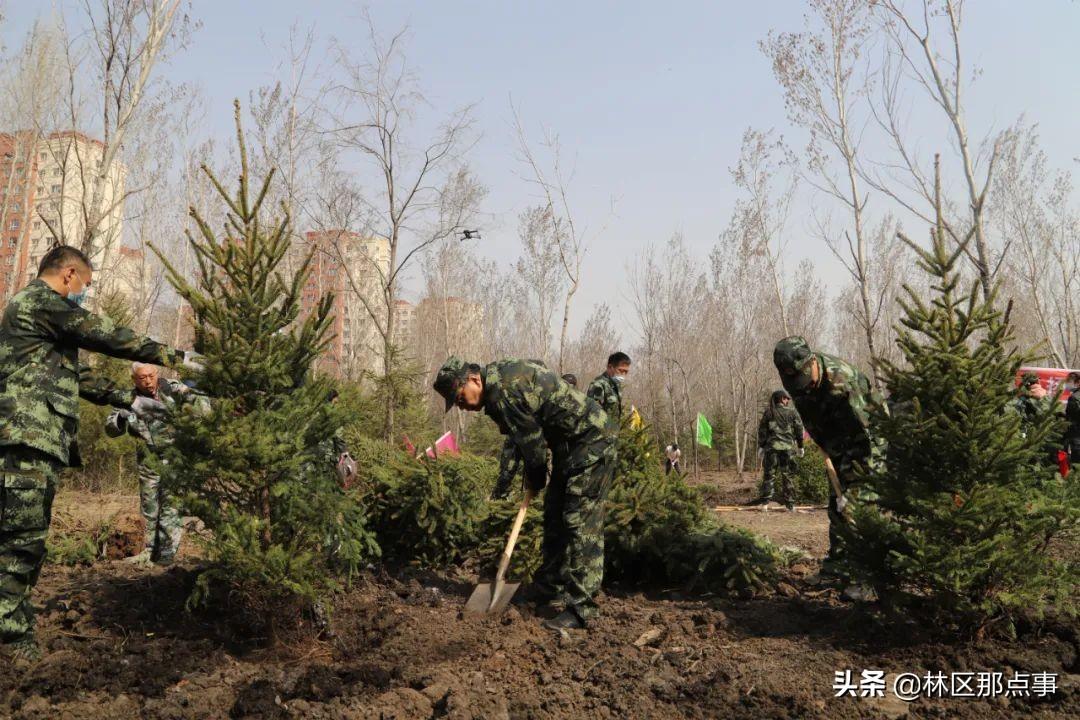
77	298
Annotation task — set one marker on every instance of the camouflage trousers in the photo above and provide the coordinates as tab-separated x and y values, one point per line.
840	525
573	544
164	528
778	465
26	497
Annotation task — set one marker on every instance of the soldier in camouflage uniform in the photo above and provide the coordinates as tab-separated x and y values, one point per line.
537	410
780	438
153	426
510	458
1031	399
834	400
606	388
41	331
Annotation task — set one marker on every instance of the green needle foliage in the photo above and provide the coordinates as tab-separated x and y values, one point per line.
250	469
971	522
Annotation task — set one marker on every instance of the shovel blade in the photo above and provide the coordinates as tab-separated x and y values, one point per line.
481	602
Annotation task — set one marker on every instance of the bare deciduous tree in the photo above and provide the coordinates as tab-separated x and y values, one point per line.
820	72
914	53
1033	206
378	98
766	173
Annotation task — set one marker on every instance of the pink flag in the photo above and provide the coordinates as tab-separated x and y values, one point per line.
445	444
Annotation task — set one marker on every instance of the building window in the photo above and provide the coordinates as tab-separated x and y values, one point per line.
40	189
13	241
42	156
37	224
55	189
56	172
14	223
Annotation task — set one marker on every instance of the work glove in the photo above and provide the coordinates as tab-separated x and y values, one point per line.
535	480
193	361
123	419
501	491
802	452
346	470
148	406
760	453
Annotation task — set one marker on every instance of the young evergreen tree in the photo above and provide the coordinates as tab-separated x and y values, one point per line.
970	521
253	469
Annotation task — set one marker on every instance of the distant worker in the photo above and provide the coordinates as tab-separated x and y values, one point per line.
41	331
834	401
1031	400
606	389
536	410
780	440
1071	443
672	456
151	421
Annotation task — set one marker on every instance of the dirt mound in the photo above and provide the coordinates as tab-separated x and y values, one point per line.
127	530
119	644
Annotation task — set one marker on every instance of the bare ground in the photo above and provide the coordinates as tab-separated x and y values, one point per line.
119	644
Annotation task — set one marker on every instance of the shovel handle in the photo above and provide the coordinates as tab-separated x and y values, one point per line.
504	562
834	479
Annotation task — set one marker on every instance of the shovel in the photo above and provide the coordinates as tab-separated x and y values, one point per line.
494	597
834	480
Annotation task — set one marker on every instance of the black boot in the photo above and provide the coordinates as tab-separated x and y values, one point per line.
566	620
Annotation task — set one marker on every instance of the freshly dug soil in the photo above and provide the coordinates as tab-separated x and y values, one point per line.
119	643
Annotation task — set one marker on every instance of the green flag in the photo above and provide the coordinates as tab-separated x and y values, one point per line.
704	431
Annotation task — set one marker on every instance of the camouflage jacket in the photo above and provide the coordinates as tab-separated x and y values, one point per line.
607	395
1029	408
156	430
836	413
536	410
40	375
1072	431
780	428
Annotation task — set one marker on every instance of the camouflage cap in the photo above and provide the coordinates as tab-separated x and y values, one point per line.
1029	379
779	395
791	356
570	379
448	380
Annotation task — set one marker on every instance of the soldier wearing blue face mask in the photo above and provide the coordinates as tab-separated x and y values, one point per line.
607	388
41	379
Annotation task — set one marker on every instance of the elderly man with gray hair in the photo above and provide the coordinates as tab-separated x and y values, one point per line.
150	420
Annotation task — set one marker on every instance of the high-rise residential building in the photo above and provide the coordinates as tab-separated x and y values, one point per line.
404	324
352	268
47	186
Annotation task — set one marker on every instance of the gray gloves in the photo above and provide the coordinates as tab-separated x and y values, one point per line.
192	361
148	406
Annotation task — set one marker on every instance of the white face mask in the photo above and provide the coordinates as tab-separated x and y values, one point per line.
620	379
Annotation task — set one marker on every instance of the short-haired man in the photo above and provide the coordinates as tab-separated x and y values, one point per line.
158	400
606	388
41	331
536	409
834	401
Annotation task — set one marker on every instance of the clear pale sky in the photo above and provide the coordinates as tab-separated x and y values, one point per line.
651	98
